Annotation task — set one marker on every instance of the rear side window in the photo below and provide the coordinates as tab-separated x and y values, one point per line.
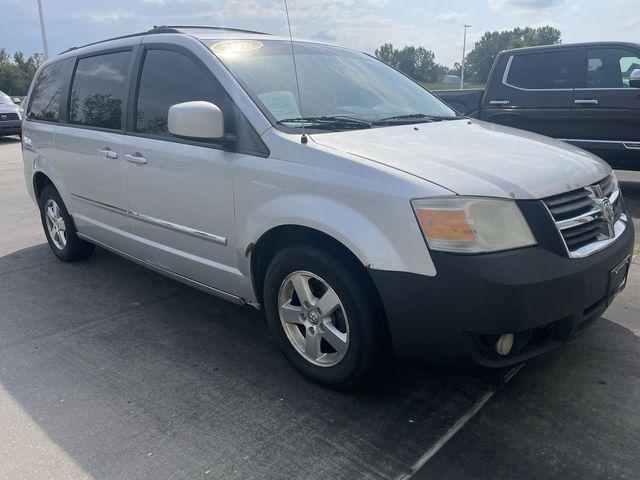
99	90
610	68
168	78
47	93
537	71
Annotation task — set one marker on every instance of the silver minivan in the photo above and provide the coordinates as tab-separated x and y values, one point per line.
359	212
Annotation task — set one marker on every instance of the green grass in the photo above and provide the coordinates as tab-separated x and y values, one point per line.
442	86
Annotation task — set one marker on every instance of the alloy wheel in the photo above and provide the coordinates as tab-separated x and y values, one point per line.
313	318
55	224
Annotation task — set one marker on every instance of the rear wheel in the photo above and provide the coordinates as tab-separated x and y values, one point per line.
59	228
326	319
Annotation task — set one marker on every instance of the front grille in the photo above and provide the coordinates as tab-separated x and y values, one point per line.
8	116
586	217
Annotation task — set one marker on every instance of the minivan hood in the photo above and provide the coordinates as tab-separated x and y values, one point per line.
471	157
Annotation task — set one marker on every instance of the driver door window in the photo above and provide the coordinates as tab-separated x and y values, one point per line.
169	78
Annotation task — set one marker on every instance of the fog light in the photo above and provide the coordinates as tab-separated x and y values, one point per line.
504	344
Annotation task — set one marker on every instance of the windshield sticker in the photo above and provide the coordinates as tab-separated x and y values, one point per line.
281	104
232	48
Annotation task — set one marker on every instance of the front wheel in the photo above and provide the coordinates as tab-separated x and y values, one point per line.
325	316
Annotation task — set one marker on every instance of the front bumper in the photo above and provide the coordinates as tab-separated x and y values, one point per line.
456	316
12	127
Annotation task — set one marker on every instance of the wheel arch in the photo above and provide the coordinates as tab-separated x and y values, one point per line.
40	181
282	236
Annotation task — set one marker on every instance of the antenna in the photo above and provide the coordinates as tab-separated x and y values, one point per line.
304	138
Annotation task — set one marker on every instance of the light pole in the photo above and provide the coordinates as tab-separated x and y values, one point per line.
464	52
44	34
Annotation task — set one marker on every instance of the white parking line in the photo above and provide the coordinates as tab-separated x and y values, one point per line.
461	422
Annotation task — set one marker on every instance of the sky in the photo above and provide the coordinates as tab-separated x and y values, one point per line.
359	24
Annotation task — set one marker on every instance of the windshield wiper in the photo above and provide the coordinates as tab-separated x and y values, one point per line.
329	122
414	116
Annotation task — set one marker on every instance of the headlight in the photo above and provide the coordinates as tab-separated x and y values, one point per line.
472	225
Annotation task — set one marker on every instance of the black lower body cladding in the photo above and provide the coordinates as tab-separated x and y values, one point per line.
456	317
10	128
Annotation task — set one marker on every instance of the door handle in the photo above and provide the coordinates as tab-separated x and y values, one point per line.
586	102
136	159
107	152
499	102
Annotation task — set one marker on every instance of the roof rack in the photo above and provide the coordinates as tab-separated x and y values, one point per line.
177	28
157	29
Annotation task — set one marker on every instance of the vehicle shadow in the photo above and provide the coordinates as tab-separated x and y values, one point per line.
122	367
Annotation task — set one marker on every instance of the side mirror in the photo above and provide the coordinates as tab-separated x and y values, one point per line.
634	78
197	120
16	100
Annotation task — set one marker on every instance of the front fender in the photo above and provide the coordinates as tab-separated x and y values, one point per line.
348	226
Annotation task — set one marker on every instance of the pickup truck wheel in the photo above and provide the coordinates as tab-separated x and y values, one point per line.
324	318
59	228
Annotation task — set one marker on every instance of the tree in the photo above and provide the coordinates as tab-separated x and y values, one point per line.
415	62
387	53
480	59
16	72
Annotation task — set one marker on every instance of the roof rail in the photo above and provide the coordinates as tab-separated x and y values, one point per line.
165	29
177	28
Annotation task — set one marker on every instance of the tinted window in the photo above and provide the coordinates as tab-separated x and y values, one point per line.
168	78
99	90
541	71
47	93
610	68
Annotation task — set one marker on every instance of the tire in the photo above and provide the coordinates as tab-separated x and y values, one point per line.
352	346
59	228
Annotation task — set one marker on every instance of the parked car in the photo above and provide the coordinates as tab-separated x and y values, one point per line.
585	94
451	80
10	115
366	219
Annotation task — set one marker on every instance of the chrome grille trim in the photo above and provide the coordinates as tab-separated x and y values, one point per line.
590	218
6	116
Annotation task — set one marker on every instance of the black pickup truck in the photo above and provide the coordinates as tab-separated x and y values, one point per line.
585	94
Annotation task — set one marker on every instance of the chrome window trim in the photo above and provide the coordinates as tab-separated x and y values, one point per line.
217	239
628	144
506	83
582	89
598	141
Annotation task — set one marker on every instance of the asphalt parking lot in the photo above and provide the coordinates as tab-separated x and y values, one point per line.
110	371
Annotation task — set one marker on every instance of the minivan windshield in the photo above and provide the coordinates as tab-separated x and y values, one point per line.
339	88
